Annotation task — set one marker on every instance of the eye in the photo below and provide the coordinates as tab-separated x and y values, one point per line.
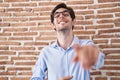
66	14
56	15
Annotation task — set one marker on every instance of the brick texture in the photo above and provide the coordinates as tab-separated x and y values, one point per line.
25	29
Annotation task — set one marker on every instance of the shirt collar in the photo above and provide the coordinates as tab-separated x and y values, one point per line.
75	41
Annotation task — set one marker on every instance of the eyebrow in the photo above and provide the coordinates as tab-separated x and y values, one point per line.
62	11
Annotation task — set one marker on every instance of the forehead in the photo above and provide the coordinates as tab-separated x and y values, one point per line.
60	10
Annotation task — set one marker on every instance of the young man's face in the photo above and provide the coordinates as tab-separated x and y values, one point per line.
62	20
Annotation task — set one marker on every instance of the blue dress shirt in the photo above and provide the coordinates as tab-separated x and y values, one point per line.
57	62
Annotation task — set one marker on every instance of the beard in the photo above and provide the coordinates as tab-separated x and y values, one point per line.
63	30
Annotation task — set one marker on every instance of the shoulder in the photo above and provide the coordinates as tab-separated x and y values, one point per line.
86	42
46	48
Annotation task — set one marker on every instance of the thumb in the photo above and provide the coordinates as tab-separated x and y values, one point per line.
75	59
76	48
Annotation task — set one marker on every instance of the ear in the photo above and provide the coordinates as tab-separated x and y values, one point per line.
53	26
74	21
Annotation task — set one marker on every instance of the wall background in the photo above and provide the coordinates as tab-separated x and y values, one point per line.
25	29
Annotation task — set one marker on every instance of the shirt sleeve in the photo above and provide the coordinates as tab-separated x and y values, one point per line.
40	68
100	60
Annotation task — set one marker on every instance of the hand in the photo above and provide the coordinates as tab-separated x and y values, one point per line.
86	55
66	78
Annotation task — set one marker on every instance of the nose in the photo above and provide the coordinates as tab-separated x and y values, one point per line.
61	15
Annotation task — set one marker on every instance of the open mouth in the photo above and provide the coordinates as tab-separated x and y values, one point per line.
62	22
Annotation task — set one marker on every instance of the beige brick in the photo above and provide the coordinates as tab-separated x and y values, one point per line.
7	53
24	4
25	73
4	24
9	43
84	22
109	31
23	24
23	58
115	40
20	78
3	38
15	29
36	43
2	10
99	16
3	78
78	27
82	7
117	20
1	0
115	78
80	2
25	34
48	33
4	5
109	10
15	19
107	5
39	18
13	9
79	17
103	1
6	62
96	73
18	68
29	53
25	14
104	36
22	48
5	14
99	27
100	41
83	37
111	68
84	32
105	21
111	51
112	63
16	0
7	73
4	47
117	14
84	12
43	8
110	46
49	3
46	38
101	78
21	38
5	34
113	57
25	63
43	13
2	68
117	24
40	28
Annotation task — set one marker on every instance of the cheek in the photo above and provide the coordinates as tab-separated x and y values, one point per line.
55	22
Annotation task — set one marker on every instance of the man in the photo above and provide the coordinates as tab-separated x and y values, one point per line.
68	58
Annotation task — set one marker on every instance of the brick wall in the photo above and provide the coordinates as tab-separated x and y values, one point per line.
25	29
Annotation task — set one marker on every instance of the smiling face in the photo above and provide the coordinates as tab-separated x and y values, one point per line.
62	20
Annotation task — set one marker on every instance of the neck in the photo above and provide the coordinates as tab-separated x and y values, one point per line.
65	39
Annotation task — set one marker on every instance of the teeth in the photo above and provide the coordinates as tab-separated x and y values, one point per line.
62	22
